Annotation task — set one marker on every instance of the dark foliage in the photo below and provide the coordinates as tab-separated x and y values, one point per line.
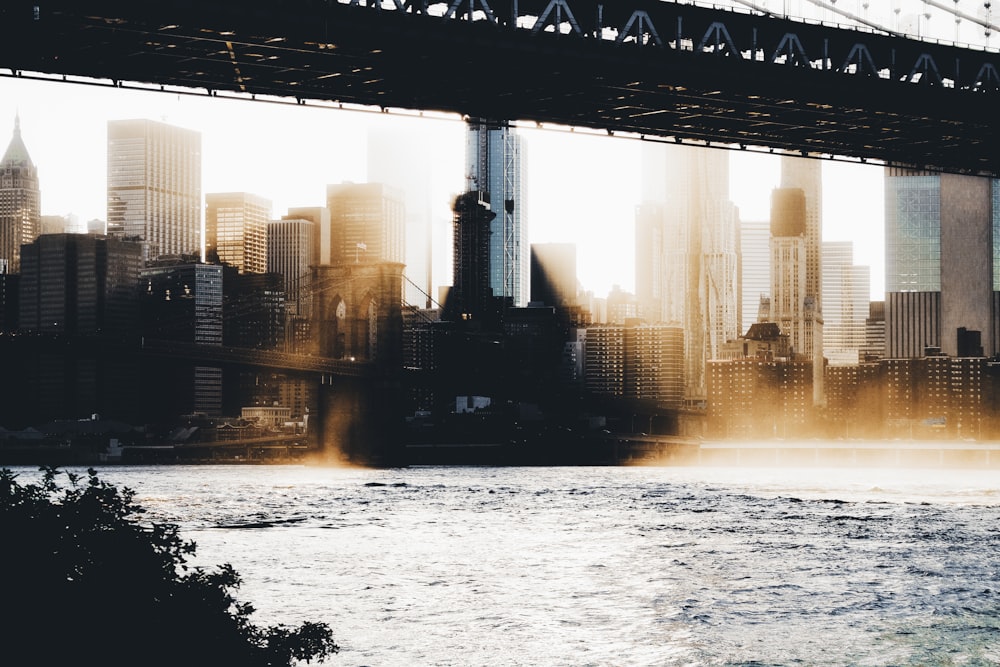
85	582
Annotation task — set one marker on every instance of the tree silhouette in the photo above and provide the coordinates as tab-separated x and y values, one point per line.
86	582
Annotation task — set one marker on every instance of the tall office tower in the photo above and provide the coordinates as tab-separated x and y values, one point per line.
367	223
495	166
183	302
846	289
320	217
402	160
699	252
154	186
755	268
236	229
471	297
78	284
290	253
942	261
553	274
806	175
792	307
20	202
649	259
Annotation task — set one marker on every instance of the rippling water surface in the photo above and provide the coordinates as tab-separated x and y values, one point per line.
606	566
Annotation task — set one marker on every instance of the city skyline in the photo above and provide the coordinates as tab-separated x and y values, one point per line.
582	186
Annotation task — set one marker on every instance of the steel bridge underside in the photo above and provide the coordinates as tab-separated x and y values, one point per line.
677	73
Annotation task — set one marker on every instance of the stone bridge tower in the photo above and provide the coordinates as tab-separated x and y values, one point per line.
358	317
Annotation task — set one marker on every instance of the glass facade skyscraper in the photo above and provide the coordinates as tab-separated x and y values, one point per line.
913	233
154	186
495	168
942	261
694	257
236	228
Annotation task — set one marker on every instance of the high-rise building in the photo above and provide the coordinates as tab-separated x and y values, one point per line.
182	301
697	260
755	268
154	186
471	297
792	307
289	253
20	202
649	258
236	229
846	289
320	217
495	167
402	160
367	223
874	332
942	255
79	284
806	175
636	361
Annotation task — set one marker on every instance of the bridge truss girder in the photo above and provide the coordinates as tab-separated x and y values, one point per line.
657	69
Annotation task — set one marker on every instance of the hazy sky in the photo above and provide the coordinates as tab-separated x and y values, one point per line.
582	188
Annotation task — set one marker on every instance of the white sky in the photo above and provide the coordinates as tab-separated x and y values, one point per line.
582	188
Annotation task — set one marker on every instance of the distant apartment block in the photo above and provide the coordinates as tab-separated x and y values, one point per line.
636	361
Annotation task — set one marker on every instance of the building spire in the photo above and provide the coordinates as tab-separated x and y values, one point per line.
16	151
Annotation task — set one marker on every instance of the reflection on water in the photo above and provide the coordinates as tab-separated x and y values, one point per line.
607	566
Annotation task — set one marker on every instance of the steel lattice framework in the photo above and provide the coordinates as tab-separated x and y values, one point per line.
657	69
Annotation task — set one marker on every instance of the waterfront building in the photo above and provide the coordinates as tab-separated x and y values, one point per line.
636	361
20	201
942	257
367	224
154	187
935	395
758	388
236	230
495	158
846	289
694	267
753	398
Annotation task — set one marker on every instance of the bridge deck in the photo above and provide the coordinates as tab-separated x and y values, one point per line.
657	69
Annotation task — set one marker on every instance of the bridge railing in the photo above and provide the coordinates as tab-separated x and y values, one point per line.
743	34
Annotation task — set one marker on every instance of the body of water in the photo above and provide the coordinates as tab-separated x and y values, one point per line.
605	565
